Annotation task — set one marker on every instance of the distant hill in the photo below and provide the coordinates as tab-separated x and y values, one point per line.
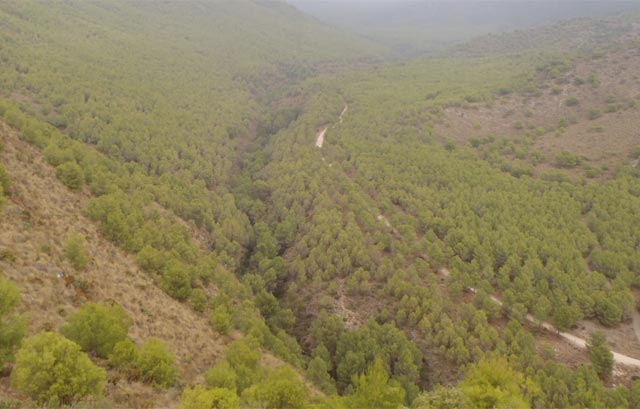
576	35
412	27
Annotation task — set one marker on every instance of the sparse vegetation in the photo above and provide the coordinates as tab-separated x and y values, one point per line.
571	102
594	114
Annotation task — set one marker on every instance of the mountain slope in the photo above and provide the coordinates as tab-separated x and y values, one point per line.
38	218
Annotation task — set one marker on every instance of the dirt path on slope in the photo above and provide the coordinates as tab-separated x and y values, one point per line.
321	134
320	137
570	338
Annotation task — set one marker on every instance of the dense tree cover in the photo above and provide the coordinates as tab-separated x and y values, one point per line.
200	162
53	370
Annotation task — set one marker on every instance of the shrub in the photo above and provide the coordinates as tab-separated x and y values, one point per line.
157	363
221	320
176	280
76	252
593	173
442	398
97	328
70	173
124	356
201	398
374	389
14	117
55	155
594	114
5	181
53	370
571	102
244	358
567	160
282	388
198	300
222	376
11	325
493	383
318	373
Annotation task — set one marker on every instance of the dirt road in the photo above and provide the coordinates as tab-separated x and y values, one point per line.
570	338
323	131
320	138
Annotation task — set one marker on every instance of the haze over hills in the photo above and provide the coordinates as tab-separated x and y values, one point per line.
215	204
427	26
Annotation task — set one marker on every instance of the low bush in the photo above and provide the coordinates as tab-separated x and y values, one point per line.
202	398
97	328
70	173
124	357
571	102
76	252
11	325
53	370
157	363
221	320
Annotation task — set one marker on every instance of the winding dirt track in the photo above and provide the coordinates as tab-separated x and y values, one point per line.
570	338
323	131
578	342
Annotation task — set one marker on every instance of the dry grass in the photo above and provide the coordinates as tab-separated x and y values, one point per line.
37	219
607	140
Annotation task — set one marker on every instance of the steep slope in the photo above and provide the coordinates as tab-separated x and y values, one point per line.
40	215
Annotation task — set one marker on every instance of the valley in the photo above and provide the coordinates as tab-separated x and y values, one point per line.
213	204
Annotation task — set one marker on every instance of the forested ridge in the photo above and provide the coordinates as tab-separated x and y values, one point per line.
190	130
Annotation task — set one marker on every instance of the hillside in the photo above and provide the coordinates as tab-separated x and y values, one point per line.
588	111
40	215
411	28
230	204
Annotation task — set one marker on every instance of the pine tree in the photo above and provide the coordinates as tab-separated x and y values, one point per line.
600	354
